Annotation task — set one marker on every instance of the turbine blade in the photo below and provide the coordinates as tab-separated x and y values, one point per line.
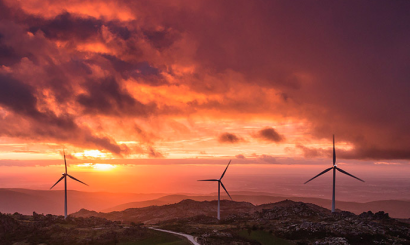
319	174
76	179
334	151
57	182
226	190
342	171
208	180
65	162
225	169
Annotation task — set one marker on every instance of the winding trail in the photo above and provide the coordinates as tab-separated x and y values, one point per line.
189	237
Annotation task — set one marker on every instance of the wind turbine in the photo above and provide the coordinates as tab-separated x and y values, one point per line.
65	185
219	189
334	174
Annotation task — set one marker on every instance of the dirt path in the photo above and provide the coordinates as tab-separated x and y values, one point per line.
189	237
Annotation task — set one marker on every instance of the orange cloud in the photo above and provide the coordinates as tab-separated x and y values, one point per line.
140	79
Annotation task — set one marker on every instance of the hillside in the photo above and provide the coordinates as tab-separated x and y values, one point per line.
183	209
395	208
52	201
285	222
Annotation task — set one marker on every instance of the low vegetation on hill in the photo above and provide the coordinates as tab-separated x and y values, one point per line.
18	229
242	223
285	222
291	222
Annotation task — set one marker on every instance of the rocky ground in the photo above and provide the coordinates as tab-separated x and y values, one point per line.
38	229
285	222
291	222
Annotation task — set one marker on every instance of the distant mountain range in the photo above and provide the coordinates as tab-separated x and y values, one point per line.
395	208
43	201
25	201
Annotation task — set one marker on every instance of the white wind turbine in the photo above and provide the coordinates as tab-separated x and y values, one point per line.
334	174
65	185
219	189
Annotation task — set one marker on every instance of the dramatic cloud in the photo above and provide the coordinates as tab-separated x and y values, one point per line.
269	134
310	152
229	138
154	154
106	97
154	79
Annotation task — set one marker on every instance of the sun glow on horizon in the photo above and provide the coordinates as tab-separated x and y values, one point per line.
91	153
97	166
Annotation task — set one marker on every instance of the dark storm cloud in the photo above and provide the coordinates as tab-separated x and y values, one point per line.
373	153
161	39
269	134
106	97
5	11
60	130
8	56
229	138
338	67
66	27
116	28
20	98
344	65
143	72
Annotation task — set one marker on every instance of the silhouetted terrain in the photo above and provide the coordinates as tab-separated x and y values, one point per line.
289	222
183	209
285	222
242	223
396	208
51	202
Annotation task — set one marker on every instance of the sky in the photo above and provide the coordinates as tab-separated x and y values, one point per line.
180	87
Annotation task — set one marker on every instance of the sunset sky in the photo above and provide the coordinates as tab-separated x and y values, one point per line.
164	90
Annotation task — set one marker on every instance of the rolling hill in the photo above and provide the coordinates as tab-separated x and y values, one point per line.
26	201
395	208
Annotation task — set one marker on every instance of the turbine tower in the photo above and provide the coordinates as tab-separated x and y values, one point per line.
65	186
334	174
219	188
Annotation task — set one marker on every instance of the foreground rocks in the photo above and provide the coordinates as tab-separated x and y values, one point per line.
296	223
285	222
55	230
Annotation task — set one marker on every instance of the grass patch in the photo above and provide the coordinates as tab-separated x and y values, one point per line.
159	238
264	238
